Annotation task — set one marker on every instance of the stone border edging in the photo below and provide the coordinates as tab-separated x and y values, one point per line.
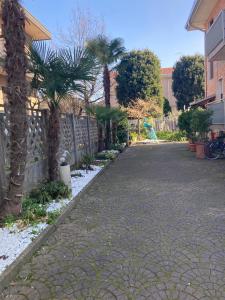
7	276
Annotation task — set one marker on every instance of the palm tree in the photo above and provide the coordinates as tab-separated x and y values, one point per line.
57	75
16	91
107	52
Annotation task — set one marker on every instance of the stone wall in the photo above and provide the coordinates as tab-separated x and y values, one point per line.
74	137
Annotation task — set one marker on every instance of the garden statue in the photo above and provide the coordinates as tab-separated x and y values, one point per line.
151	132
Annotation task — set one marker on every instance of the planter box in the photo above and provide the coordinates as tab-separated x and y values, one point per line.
200	150
192	147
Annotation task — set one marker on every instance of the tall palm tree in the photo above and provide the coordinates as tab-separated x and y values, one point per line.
107	52
16	91
57	75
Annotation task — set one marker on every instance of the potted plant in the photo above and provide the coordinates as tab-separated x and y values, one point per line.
64	169
200	123
184	124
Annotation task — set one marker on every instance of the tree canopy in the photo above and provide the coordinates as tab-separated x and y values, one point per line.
188	80
166	107
139	77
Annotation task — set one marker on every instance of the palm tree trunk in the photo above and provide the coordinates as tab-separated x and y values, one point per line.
100	138
53	142
114	133
16	91
107	104
87	105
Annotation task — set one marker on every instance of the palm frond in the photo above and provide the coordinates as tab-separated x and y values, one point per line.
106	51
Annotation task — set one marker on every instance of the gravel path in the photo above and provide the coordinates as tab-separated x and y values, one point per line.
151	227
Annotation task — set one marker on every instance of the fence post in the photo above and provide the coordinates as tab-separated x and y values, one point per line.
3	180
74	138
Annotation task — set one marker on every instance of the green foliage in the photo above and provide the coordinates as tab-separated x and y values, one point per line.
104	114
105	50
166	107
9	220
122	130
184	123
201	122
50	191
87	160
57	73
118	147
52	217
107	155
32	212
34	206
139	77
133	136
188	80
172	136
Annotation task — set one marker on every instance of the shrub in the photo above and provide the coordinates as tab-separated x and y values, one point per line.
201	122
172	136
87	160
107	155
122	130
184	123
50	191
118	147
133	136
32	212
52	216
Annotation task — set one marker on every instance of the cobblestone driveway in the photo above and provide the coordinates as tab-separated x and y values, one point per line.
151	227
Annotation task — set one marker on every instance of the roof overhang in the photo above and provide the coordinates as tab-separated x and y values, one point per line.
33	28
200	13
203	102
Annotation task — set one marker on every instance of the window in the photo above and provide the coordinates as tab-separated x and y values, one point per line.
211	70
220	89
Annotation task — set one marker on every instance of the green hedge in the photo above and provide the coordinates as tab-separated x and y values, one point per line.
172	136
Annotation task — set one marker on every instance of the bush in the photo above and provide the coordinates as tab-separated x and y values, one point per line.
172	136
133	136
34	206
32	211
118	147
201	122
87	160
122	131
184	123
50	191
107	155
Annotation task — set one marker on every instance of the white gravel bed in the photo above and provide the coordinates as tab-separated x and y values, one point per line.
13	240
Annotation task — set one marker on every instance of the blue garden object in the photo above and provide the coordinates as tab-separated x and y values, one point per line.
151	131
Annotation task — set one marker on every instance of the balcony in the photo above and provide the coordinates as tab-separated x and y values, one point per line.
215	39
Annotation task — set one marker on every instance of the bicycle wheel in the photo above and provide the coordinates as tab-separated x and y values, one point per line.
213	151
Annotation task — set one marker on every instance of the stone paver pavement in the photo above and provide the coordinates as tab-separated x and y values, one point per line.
151	227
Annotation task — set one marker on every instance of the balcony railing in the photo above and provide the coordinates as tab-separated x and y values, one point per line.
215	39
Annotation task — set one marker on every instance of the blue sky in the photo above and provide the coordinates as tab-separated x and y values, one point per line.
157	25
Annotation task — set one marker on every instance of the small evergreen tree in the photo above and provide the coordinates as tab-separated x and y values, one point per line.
139	78
166	107
188	80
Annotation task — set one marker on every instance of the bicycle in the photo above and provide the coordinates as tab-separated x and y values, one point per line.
215	149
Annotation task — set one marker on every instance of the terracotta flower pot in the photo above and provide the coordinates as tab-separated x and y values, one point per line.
192	147
200	150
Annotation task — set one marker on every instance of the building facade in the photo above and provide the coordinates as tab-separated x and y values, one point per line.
167	82
34	31
209	17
